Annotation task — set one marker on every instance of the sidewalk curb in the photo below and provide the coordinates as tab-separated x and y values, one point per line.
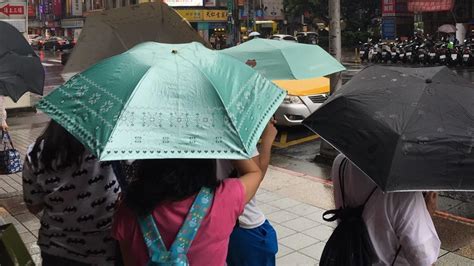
454	218
298	174
441	214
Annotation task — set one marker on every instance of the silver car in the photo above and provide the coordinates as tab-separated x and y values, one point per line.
295	109
283	37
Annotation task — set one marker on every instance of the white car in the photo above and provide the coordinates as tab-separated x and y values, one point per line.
295	109
283	37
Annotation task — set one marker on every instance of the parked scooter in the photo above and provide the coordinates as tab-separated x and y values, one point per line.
468	55
455	57
364	52
422	54
443	54
386	53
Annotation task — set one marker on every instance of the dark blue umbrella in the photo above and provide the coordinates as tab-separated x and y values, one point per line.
20	68
406	128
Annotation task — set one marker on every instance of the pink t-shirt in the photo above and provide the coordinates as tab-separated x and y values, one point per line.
210	244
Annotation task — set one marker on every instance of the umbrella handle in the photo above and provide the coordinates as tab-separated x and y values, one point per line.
5	142
335	215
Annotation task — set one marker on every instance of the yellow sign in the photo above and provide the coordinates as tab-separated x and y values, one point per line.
191	15
214	15
194	15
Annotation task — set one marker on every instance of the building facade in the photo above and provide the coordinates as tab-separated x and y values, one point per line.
209	17
398	17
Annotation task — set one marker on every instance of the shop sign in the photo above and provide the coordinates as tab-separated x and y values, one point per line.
77	8
391	8
194	15
388	7
273	10
184	2
57	8
430	5
12	10
31	10
72	23
190	15
215	15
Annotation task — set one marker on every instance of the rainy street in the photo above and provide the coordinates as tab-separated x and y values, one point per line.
236	132
296	147
293	196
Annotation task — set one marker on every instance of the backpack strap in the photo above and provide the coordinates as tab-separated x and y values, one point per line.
342	174
336	213
155	245
370	195
193	220
396	255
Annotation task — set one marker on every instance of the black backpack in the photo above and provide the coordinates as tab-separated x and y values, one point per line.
350	243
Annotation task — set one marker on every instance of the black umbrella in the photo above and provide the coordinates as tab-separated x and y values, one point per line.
20	68
406	128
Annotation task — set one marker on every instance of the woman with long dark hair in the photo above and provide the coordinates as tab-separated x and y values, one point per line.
77	195
176	211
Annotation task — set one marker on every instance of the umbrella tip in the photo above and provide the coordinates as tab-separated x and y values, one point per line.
174	52
428	81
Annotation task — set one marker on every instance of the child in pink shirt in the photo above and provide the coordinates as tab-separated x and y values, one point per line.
166	189
168	194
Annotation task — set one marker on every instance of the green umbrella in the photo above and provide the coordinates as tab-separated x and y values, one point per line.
282	60
166	101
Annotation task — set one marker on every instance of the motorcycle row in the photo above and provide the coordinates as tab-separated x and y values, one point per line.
424	52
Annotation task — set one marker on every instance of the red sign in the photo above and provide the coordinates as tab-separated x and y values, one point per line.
31	10
430	5
57	8
9	10
388	7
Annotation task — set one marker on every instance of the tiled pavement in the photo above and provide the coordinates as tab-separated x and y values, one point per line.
293	202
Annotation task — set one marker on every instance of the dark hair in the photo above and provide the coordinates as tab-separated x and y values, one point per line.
59	150
168	180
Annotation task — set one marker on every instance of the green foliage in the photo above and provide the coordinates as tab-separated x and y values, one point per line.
352	39
356	13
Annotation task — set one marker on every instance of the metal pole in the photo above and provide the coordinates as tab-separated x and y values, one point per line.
26	19
254	15
247	3
326	152
335	46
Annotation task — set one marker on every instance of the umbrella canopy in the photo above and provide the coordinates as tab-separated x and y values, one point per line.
280	60
166	101
406	128
254	34
114	31
20	68
447	28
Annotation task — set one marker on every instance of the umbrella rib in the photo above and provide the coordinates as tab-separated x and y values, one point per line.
220	98
116	34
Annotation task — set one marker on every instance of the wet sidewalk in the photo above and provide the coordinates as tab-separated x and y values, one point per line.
293	202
